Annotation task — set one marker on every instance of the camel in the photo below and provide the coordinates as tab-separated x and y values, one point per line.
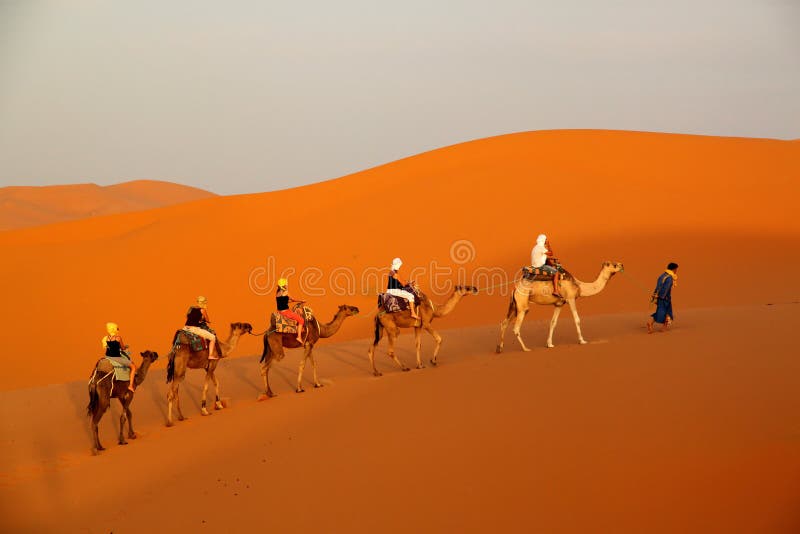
392	322
103	387
541	292
181	358
275	342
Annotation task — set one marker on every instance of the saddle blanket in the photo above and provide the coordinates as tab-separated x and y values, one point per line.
392	303
537	275
289	326
284	324
196	343
122	367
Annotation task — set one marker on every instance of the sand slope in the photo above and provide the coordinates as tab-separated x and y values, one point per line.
713	204
24	206
691	431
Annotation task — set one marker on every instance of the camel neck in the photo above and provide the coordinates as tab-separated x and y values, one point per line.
447	307
593	288
329	329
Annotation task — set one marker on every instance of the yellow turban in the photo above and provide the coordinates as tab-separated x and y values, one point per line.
282	282
112	330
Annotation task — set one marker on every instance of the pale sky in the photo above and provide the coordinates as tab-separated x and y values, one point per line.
247	96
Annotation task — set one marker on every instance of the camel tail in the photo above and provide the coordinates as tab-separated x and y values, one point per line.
378	331
171	366
512	308
94	397
176	343
265	352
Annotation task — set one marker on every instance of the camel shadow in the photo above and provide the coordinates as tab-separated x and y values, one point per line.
242	369
78	395
353	358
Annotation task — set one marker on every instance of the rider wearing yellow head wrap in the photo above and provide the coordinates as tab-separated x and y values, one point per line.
282	300
115	349
112	329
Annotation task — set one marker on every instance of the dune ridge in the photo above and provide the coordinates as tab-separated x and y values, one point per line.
641	198
24	206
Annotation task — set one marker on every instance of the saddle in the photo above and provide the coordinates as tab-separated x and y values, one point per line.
535	274
392	303
195	342
289	326
108	364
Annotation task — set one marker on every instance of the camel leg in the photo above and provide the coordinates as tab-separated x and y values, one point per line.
302	368
553	321
314	368
173	398
518	326
418	346
265	375
129	413
392	335
574	308
206	381
371	352
510	315
122	418
438	339
178	402
96	416
170	400
217	402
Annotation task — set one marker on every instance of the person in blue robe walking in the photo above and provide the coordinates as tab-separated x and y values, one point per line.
662	296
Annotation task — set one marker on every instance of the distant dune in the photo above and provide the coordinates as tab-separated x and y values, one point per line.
23	206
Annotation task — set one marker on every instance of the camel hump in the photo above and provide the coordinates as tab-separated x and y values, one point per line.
104	365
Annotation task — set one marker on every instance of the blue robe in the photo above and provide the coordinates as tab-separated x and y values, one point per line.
663	293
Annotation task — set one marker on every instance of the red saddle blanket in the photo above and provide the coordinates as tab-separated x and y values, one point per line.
289	326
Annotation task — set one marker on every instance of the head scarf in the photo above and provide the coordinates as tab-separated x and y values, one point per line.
282	283
112	330
541	239
396	264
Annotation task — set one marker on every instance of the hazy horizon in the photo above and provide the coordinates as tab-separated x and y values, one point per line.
257	96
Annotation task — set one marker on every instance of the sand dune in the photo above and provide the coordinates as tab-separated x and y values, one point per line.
24	206
716	205
691	431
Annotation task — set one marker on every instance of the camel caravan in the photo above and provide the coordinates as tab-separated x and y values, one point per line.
294	325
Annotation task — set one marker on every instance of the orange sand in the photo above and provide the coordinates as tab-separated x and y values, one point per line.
692	431
24	206
642	198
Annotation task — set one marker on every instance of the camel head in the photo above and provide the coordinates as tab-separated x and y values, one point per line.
149	355
241	328
613	267
348	311
466	290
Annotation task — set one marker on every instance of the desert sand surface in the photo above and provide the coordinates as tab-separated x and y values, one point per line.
694	430
23	206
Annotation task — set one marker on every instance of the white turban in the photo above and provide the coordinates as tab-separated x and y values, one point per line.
541	239
396	264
